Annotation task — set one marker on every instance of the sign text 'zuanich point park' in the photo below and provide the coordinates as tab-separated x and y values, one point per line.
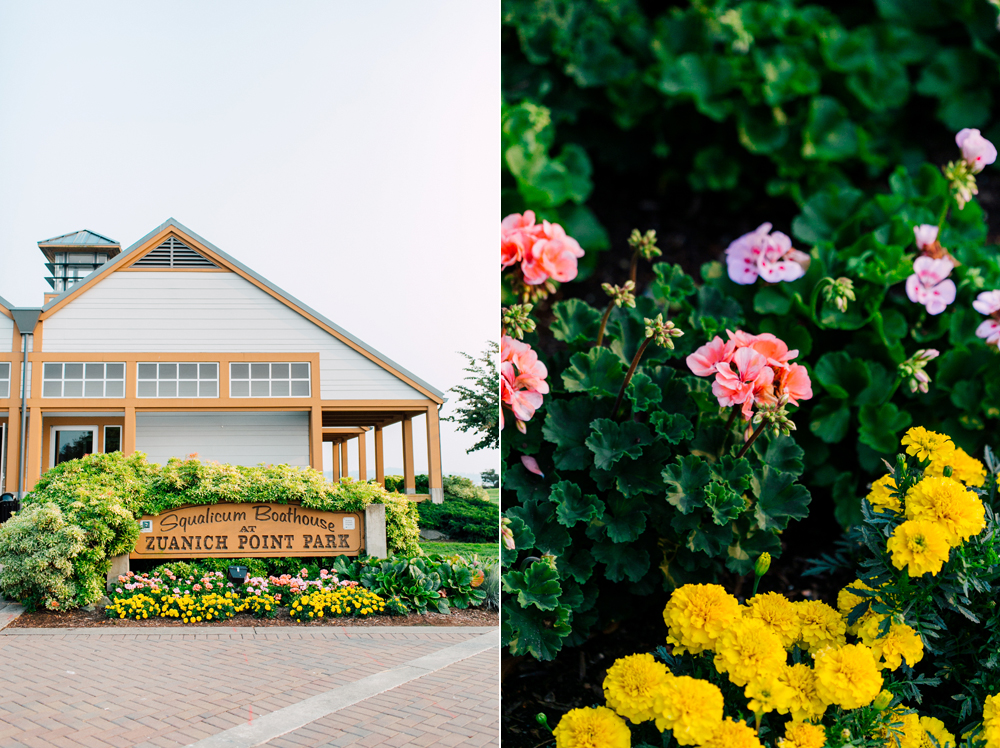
250	530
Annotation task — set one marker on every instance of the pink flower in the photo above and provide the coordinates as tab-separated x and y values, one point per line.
702	362
769	256
735	387
929	284
544	251
771	346
925	234
517	233
796	384
531	464
522	380
988	302
990	330
976	150
197	588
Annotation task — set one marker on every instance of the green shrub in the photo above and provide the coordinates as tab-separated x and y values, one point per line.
465	520
394	483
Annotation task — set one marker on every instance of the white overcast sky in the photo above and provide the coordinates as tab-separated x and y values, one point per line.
344	150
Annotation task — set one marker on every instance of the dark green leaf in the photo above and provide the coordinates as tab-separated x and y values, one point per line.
624	519
672	284
724	503
572	506
598	372
622	560
567	424
535	632
779	500
524	539
842	375
781	453
575	321
673	427
686	480
829	420
771	300
880	425
610	441
539	516
538	585
643	393
829	134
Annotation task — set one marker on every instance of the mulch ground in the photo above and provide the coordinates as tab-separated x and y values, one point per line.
97	619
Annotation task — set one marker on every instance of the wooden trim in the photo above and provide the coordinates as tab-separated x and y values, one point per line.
316	438
409	479
433	449
161	236
128	431
362	467
345	469
33	459
131	269
48	422
379	459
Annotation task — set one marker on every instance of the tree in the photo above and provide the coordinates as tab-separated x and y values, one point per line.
478	408
490	478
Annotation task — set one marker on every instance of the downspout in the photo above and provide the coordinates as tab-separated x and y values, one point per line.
25	319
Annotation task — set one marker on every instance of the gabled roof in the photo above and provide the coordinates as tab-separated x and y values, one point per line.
126	257
5	306
84	238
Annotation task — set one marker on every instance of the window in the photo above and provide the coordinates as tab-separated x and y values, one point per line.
112	438
179	379
4	380
269	379
71	443
83	379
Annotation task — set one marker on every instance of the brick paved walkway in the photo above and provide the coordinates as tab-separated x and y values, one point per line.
177	687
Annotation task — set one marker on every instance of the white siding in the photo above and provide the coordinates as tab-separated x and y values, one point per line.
6	334
236	438
176	311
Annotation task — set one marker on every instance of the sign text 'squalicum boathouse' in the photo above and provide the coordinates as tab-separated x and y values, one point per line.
173	347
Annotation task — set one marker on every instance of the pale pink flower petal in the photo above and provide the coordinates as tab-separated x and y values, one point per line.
925	234
702	362
931	271
531	464
976	150
990	330
987	302
742	255
796	384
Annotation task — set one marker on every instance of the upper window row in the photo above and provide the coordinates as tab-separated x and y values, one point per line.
166	380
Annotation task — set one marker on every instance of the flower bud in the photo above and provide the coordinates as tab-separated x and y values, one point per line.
621	295
507	534
515	320
763	564
661	332
644	244
882	700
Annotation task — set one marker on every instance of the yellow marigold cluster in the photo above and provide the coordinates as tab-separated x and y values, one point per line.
342	601
690	707
906	729
803	735
899	642
964	468
779	613
935	727
848	677
768	693
927	445
848	601
948	503
804	703
696	616
631	685
733	735
920	545
592	728
991	721
883	497
820	626
748	649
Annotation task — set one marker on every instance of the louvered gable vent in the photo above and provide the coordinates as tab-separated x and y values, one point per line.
173	253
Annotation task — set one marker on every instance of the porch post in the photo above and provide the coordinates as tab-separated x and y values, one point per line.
13	448
409	480
362	467
335	448
33	461
434	478
345	470
128	431
379	462
316	438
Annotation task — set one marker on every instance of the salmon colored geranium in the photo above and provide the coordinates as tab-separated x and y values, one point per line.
543	250
522	381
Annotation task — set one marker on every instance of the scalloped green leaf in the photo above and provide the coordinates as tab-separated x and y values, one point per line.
599	372
575	321
723	502
841	374
643	393
779	500
537	585
686	480
673	427
539	516
622	561
610	441
880	425
567	425
535	632
572	506
829	420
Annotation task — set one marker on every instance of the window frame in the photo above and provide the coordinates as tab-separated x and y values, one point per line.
83	380
178	380
249	379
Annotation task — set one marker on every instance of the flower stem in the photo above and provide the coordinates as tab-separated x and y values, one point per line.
944	213
628	376
604	322
634	266
729	430
753	437
813	298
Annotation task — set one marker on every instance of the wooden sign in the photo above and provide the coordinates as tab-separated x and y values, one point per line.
249	531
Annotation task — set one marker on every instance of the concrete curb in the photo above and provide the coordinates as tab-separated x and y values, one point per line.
290	718
8	612
346	632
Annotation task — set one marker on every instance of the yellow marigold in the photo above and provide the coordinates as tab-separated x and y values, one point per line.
733	735
805	703
950	504
907	730
935	727
820	626
690	707
847	601
803	735
696	616
898	642
631	685
767	693
927	445
920	545
964	468
848	677
991	721
778	612
883	497
592	728
747	649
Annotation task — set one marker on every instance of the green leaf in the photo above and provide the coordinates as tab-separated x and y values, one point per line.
535	632
770	300
524	539
575	321
884	86
829	420
643	476
598	372
779	500
967	395
713	170
539	516
624	519
672	284
724	503
879	389
622	561
686	480
786	72
734	472
781	453
710	539
745	551
578	563
842	375
643	393
527	485
879	426
567	424
573	506
673	427
824	213
538	586
829	134
610	441
846	505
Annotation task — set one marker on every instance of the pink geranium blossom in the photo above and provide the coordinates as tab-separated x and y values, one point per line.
765	255
522	381
929	285
702	362
988	302
734	387
531	464
543	250
977	151
925	235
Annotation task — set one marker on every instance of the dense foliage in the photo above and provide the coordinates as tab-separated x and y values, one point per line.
478	404
466	516
56	552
